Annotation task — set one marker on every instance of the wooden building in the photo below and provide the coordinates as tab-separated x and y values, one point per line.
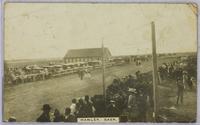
86	55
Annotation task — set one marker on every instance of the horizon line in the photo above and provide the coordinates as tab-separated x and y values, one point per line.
51	58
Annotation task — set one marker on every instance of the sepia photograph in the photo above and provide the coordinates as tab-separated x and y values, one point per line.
100	62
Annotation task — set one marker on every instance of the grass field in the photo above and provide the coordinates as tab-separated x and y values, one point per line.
24	101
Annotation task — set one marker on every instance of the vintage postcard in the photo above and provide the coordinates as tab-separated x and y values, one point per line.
100	62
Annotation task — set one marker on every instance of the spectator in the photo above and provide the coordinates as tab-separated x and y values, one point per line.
190	82
180	91
193	81
161	72
185	78
131	80
73	107
142	106
138	75
99	105
112	110
88	107
81	74
171	71
132	104
57	116
121	102
13	78
68	116
45	117
178	73
80	108
131	98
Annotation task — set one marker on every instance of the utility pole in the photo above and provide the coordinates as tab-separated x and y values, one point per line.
103	73
155	72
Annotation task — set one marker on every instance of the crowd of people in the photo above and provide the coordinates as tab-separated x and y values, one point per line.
132	95
129	94
130	98
83	107
179	69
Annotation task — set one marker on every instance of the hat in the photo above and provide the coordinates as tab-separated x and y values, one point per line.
185	72
112	101
46	107
132	90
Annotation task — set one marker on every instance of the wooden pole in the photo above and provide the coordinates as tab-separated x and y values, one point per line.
155	72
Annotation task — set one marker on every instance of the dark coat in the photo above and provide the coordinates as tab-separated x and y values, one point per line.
112	111
88	109
70	118
44	117
58	118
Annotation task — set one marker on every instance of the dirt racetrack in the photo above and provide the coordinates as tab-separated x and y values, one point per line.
24	101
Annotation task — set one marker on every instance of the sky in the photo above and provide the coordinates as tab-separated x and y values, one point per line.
49	30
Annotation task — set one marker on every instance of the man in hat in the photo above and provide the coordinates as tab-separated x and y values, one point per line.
132	97
132	104
45	117
112	110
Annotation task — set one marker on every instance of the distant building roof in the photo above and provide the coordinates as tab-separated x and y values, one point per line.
88	52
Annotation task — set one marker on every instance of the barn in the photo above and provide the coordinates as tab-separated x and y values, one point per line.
86	55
